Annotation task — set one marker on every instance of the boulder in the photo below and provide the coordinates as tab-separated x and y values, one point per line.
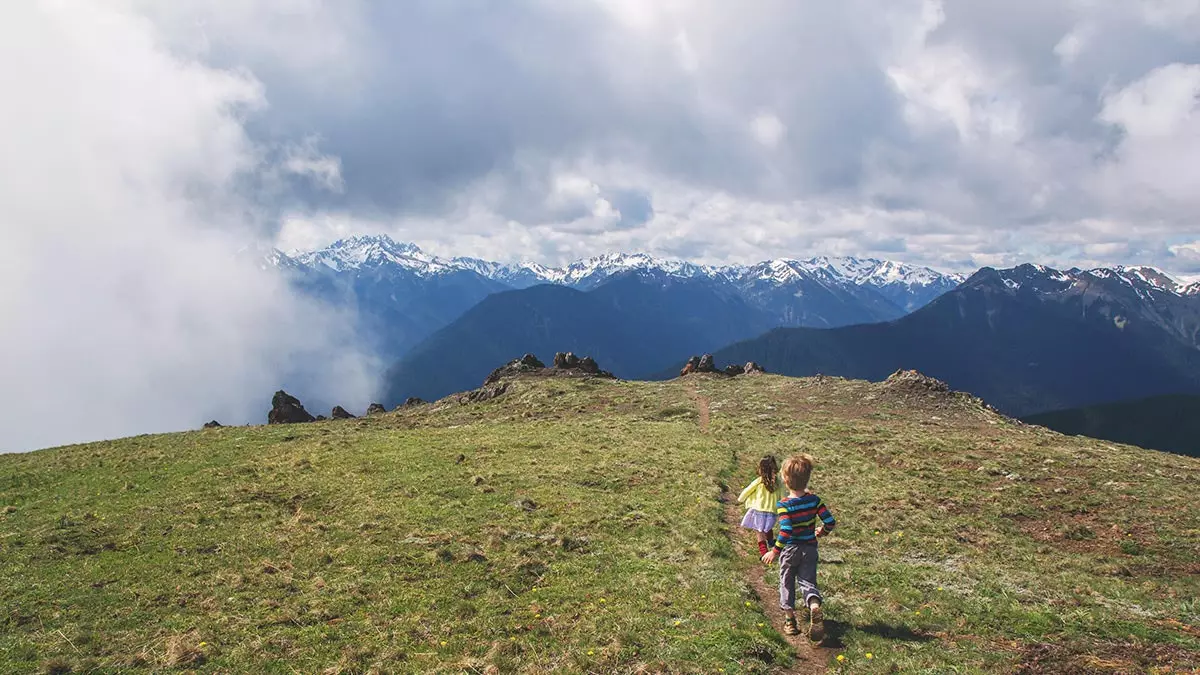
376	409
287	409
340	413
588	365
733	369
690	366
212	425
566	360
526	364
915	381
412	401
706	365
321	418
753	368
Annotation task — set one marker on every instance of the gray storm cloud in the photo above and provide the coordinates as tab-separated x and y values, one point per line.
129	303
1024	130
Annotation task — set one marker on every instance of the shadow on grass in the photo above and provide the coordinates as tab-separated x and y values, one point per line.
835	630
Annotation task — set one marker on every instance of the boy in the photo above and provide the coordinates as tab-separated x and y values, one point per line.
796	545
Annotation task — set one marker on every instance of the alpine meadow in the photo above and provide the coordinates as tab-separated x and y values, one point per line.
581	524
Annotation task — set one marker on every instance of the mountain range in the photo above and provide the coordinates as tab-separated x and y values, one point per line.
402	294
1026	339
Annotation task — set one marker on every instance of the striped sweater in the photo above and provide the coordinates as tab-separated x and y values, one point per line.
798	519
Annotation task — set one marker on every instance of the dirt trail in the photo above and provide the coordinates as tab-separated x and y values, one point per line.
810	659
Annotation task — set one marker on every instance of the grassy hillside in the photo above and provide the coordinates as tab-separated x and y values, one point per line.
1170	423
577	525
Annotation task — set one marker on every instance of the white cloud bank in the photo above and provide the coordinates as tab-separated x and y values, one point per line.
124	303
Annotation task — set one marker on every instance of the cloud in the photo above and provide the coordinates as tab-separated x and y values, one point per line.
127	306
982	115
305	160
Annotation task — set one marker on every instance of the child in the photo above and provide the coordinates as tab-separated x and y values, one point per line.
796	546
760	498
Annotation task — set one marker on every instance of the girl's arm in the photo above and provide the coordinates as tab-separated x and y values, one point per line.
749	488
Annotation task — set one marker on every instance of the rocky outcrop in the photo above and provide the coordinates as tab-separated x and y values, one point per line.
733	369
410	402
376	409
287	409
752	368
914	381
212	425
568	361
340	413
485	393
526	364
699	364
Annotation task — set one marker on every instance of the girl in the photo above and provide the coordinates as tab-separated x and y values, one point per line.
760	498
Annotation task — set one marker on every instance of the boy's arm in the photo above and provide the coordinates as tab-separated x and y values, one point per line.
746	493
827	520
785	527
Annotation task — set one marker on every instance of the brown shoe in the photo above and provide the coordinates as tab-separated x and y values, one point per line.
816	624
789	626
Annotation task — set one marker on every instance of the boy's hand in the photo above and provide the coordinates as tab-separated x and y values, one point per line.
771	556
820	531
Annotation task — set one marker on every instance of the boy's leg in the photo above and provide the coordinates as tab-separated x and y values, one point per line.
806	574
806	578
787	589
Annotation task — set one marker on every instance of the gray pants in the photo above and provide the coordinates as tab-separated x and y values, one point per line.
798	566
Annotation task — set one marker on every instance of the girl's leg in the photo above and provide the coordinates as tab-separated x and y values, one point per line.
762	543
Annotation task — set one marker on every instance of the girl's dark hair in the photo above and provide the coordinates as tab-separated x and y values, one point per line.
768	471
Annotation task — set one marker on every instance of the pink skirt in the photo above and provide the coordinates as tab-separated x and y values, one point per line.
759	521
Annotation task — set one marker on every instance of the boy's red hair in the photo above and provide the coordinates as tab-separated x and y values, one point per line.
797	469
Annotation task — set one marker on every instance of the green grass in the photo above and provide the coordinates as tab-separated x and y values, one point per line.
576	525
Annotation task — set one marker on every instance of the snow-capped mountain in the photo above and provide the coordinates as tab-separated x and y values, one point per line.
373	251
403	294
1133	299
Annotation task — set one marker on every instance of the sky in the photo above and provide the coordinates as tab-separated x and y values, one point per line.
150	149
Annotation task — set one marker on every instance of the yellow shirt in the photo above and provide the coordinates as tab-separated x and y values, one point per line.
756	495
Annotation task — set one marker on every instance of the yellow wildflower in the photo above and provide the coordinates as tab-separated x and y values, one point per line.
590	652
869	655
443	643
841	657
677	622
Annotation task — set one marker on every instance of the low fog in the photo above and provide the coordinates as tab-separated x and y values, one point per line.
133	298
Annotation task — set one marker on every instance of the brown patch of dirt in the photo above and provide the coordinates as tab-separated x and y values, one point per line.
702	404
810	658
1090	658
